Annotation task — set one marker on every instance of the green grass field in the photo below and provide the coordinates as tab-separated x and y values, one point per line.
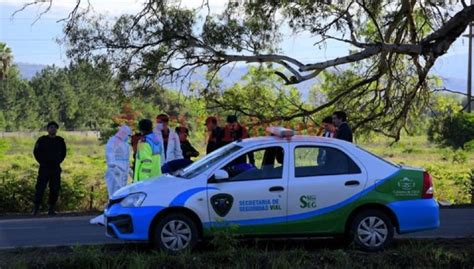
84	188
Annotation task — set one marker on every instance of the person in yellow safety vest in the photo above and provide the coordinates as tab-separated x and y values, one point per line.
148	157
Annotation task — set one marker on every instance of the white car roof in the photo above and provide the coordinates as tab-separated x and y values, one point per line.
297	138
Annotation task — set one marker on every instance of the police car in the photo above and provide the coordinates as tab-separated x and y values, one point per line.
279	185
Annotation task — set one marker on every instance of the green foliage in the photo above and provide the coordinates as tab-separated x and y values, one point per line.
17	192
18	103
6	59
259	98
81	96
451	184
453	130
225	239
306	254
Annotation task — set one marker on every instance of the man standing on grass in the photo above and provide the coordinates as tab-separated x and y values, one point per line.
50	151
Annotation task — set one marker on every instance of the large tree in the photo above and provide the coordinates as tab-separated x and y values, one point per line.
6	60
394	44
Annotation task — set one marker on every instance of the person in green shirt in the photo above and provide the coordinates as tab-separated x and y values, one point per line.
148	156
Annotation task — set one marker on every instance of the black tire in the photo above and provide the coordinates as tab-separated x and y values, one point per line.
186	234
371	230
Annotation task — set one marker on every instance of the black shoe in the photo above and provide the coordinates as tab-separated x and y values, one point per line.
51	211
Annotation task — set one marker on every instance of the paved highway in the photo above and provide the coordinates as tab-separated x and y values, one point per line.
67	231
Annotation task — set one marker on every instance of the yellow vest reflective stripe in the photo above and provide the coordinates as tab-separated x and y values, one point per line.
147	165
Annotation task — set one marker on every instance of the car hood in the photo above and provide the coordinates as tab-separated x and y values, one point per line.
162	182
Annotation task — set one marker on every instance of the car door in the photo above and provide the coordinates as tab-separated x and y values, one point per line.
254	197
323	180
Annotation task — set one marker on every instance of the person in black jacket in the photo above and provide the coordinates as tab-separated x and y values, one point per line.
216	134
343	132
186	147
50	151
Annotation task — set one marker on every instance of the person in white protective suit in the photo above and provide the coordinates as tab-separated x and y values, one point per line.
117	156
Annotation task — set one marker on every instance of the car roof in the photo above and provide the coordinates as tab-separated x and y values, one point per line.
297	138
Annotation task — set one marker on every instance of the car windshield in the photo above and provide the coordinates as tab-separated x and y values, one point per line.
206	162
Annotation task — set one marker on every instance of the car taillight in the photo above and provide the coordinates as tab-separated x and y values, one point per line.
427	186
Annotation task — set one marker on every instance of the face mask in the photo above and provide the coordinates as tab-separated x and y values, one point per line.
159	126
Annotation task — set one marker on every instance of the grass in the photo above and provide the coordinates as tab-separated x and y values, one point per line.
455	253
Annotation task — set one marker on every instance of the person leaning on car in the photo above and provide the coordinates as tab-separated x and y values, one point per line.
49	152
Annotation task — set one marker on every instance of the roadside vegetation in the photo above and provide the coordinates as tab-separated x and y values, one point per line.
323	253
83	186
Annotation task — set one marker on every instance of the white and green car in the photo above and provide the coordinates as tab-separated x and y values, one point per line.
280	185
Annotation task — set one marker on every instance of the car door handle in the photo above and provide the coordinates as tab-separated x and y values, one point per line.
276	188
352	183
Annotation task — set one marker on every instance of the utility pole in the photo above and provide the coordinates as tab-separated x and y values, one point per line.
469	70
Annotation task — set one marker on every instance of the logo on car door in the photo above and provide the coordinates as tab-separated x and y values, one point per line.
222	203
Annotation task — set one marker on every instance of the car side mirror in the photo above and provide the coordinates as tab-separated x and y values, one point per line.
219	176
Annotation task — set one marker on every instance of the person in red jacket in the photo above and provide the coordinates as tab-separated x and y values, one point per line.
234	131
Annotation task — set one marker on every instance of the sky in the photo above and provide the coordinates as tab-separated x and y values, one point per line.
35	42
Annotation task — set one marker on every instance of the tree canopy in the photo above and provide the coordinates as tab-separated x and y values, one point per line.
394	44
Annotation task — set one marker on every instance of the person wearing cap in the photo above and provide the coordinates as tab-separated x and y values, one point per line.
186	147
216	134
149	150
50	152
170	140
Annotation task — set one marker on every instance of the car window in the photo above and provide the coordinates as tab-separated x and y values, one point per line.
263	163
210	159
319	161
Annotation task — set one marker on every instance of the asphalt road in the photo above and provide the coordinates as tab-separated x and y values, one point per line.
67	231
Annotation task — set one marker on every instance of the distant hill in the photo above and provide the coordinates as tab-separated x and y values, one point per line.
451	68
28	71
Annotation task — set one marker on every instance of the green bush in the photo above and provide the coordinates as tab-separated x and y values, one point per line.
453	130
451	184
17	192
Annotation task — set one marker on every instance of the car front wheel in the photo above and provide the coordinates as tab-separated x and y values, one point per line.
175	233
372	230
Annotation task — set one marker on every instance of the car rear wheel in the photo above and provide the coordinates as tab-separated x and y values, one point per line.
175	233
372	230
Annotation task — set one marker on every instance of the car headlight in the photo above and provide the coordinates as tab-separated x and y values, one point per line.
133	200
